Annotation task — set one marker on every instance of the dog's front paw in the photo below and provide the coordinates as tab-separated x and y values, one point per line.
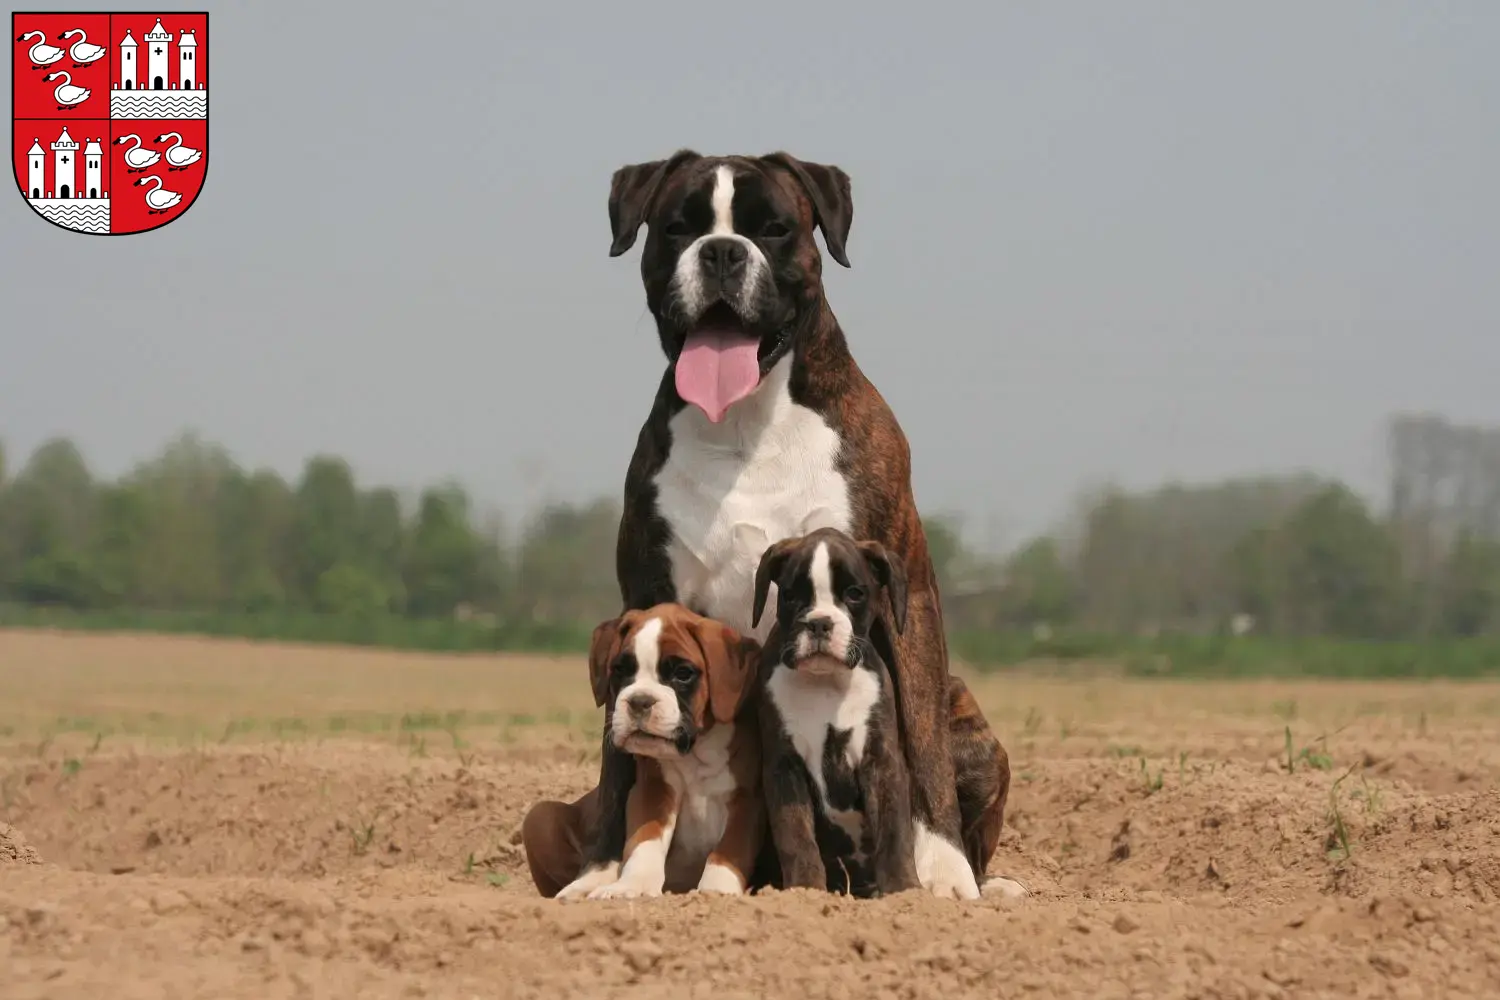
582	886
626	888
720	879
999	887
942	868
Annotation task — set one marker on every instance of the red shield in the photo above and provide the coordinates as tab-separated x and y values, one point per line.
109	117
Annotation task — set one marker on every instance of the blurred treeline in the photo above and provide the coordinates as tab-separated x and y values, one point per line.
1255	574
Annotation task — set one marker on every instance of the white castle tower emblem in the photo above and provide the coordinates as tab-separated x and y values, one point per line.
159	76
158	44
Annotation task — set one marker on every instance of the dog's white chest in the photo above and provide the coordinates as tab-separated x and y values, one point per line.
704	785
729	491
809	706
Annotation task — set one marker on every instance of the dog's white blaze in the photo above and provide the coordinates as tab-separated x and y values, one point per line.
825	605
809	705
723	202
730	490
942	868
688	275
664	715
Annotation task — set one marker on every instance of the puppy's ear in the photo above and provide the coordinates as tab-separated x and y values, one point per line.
632	190
603	648
833	201
771	562
892	576
730	661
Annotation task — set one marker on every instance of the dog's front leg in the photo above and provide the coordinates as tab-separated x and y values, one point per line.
789	804
651	816
603	852
733	859
886	789
922	683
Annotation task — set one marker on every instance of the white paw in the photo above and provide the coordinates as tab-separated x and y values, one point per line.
1003	888
626	888
942	868
720	879
590	880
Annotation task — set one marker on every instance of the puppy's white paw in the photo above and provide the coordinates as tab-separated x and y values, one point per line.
720	879
999	887
942	868
626	888
590	880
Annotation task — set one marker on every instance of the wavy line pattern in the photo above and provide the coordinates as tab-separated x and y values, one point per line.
161	104
93	219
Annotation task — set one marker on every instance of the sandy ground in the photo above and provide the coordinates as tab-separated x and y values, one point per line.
183	818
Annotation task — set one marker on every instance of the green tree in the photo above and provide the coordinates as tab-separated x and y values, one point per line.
325	524
1342	569
1469	592
1038	586
442	565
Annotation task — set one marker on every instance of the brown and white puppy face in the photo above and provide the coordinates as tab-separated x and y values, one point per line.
730	265
667	675
827	597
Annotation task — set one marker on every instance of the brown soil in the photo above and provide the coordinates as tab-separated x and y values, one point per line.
14	850
338	859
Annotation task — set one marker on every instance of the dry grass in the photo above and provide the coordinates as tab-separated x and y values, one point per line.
81	687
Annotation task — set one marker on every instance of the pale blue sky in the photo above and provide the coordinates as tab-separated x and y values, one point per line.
1091	240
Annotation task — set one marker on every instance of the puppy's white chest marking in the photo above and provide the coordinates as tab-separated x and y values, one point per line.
704	786
809	707
729	491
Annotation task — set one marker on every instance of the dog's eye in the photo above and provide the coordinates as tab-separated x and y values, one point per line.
683	673
854	595
774	230
676	228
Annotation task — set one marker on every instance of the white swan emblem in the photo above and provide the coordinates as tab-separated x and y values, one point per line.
178	155
41	53
137	158
83	51
67	95
157	199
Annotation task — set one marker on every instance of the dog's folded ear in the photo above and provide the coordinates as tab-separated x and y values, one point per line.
603	648
771	563
730	660
892	577
833	201
632	191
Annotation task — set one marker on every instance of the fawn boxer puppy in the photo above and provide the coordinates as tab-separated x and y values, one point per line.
673	683
836	780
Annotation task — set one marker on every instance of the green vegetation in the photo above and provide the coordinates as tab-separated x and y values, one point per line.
1267	576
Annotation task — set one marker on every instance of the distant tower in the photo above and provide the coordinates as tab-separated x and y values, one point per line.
158	41
129	68
36	182
187	60
93	155
64	165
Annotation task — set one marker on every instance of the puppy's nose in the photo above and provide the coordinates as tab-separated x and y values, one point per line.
723	257
640	704
819	628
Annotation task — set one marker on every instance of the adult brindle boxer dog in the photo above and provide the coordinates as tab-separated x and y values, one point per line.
764	428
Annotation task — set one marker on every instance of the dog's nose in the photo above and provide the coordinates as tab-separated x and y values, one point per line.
640	704
723	257
819	628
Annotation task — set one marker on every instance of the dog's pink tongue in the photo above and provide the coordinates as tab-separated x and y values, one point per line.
716	369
